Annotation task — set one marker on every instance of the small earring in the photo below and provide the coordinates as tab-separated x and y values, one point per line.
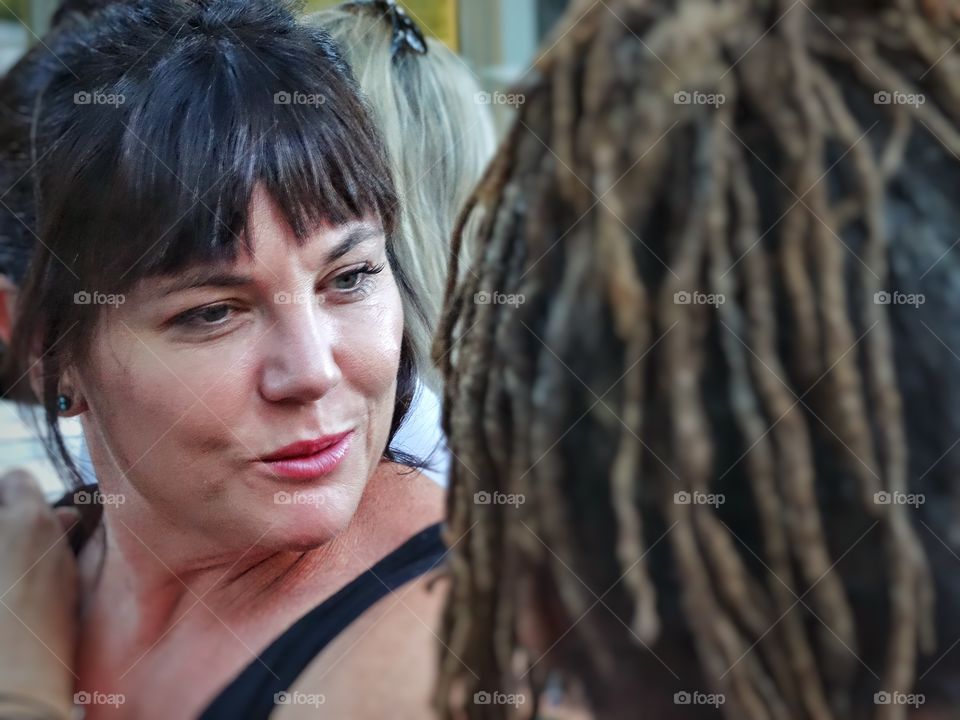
64	403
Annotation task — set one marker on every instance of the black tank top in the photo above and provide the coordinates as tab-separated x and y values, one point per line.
251	695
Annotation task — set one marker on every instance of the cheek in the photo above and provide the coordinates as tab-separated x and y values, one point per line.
370	354
149	405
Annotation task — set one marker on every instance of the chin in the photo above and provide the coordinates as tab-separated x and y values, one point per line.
299	527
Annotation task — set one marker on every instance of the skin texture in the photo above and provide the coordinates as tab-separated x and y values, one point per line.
196	567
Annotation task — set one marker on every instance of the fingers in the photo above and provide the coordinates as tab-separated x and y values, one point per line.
18	487
67	516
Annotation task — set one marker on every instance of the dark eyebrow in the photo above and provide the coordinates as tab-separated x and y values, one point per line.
212	277
206	278
353	238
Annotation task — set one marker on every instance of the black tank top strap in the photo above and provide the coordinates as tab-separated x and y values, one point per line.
252	695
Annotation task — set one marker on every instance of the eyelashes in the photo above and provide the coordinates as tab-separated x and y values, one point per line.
361	277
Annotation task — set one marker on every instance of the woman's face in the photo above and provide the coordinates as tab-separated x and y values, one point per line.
198	385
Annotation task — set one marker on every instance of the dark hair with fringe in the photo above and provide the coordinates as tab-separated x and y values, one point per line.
156	124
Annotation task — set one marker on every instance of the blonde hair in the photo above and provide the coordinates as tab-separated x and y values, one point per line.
439	139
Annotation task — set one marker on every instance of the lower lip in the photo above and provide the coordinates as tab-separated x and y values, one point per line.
312	466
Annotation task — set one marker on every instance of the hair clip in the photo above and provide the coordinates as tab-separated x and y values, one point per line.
407	36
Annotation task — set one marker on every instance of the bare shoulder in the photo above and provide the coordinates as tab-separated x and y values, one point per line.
383	665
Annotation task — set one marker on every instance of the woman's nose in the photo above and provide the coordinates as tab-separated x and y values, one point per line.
301	363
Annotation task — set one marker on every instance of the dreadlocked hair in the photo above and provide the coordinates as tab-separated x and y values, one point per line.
670	378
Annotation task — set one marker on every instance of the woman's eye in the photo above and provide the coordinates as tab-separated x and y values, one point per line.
210	315
348	281
356	280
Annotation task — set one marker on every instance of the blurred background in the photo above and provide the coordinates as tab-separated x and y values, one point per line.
497	39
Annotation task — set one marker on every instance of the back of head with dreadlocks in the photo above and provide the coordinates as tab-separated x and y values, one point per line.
712	339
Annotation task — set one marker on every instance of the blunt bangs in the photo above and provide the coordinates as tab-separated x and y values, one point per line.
157	148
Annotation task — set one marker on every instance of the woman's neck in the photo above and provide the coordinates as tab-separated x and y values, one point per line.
145	593
143	576
162	624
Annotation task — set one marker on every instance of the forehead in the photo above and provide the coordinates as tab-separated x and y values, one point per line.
266	223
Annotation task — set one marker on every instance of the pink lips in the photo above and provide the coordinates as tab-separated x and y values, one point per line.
310	458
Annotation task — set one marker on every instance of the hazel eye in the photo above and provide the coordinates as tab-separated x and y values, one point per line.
348	281
354	282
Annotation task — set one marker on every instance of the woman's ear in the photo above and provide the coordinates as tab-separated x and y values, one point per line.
68	390
70	393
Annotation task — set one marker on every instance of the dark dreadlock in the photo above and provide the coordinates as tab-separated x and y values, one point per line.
809	186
